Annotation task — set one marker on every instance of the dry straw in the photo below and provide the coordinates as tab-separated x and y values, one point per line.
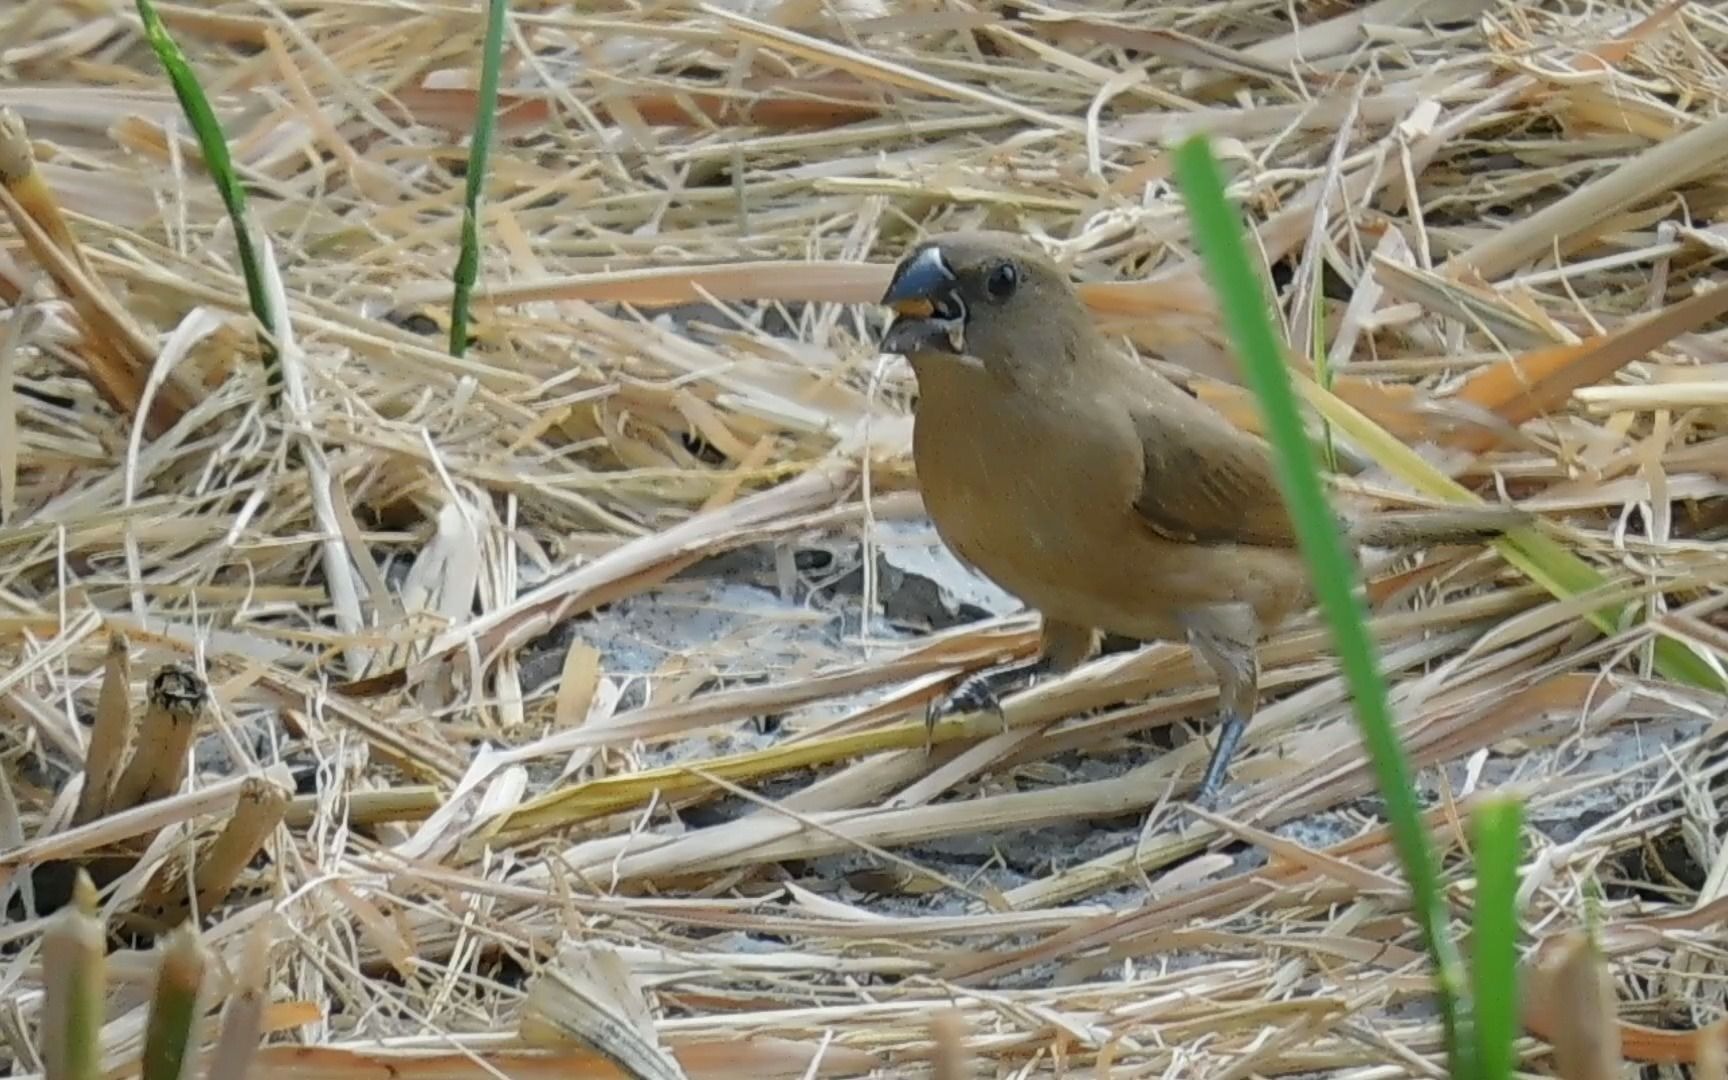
1501	222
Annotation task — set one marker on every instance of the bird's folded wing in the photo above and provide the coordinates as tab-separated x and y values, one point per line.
1205	481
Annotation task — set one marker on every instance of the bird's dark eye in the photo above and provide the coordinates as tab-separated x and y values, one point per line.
1002	282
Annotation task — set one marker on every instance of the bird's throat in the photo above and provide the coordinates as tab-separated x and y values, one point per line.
946	372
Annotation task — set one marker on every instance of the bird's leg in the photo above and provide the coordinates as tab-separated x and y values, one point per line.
1227	638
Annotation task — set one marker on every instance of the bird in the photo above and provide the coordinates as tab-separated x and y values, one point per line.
1093	488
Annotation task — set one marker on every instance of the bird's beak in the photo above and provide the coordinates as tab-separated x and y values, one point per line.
928	313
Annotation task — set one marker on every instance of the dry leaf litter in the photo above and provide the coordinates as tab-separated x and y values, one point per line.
558	708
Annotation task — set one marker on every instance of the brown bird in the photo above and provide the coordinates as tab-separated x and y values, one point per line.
1093	488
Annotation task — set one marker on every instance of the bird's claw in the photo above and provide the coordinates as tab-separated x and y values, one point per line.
972	696
1209	799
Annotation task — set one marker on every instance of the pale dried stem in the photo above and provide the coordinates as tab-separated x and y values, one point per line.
484	615
110	733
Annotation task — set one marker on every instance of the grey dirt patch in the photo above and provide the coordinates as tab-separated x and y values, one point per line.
754	614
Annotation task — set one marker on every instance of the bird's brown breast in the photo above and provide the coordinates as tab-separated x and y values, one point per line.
1036	490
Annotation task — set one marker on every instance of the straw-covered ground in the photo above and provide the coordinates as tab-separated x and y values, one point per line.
595	660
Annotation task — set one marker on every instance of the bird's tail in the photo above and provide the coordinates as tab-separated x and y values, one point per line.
1416	528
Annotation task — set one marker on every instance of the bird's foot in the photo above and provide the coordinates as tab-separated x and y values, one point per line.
1212	799
1206	799
982	692
975	695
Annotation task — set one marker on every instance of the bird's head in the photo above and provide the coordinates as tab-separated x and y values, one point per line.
989	295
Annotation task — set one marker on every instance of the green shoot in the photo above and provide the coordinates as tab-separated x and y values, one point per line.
479	147
214	146
1494	936
1218	234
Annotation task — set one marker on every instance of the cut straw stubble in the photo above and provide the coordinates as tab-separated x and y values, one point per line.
260	807
175	701
1586	1037
243	1015
108	736
116	352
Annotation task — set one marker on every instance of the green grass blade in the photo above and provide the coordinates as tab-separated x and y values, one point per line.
1541	558
169	1035
75	968
1319	356
1494	936
1218	234
479	147
214	145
